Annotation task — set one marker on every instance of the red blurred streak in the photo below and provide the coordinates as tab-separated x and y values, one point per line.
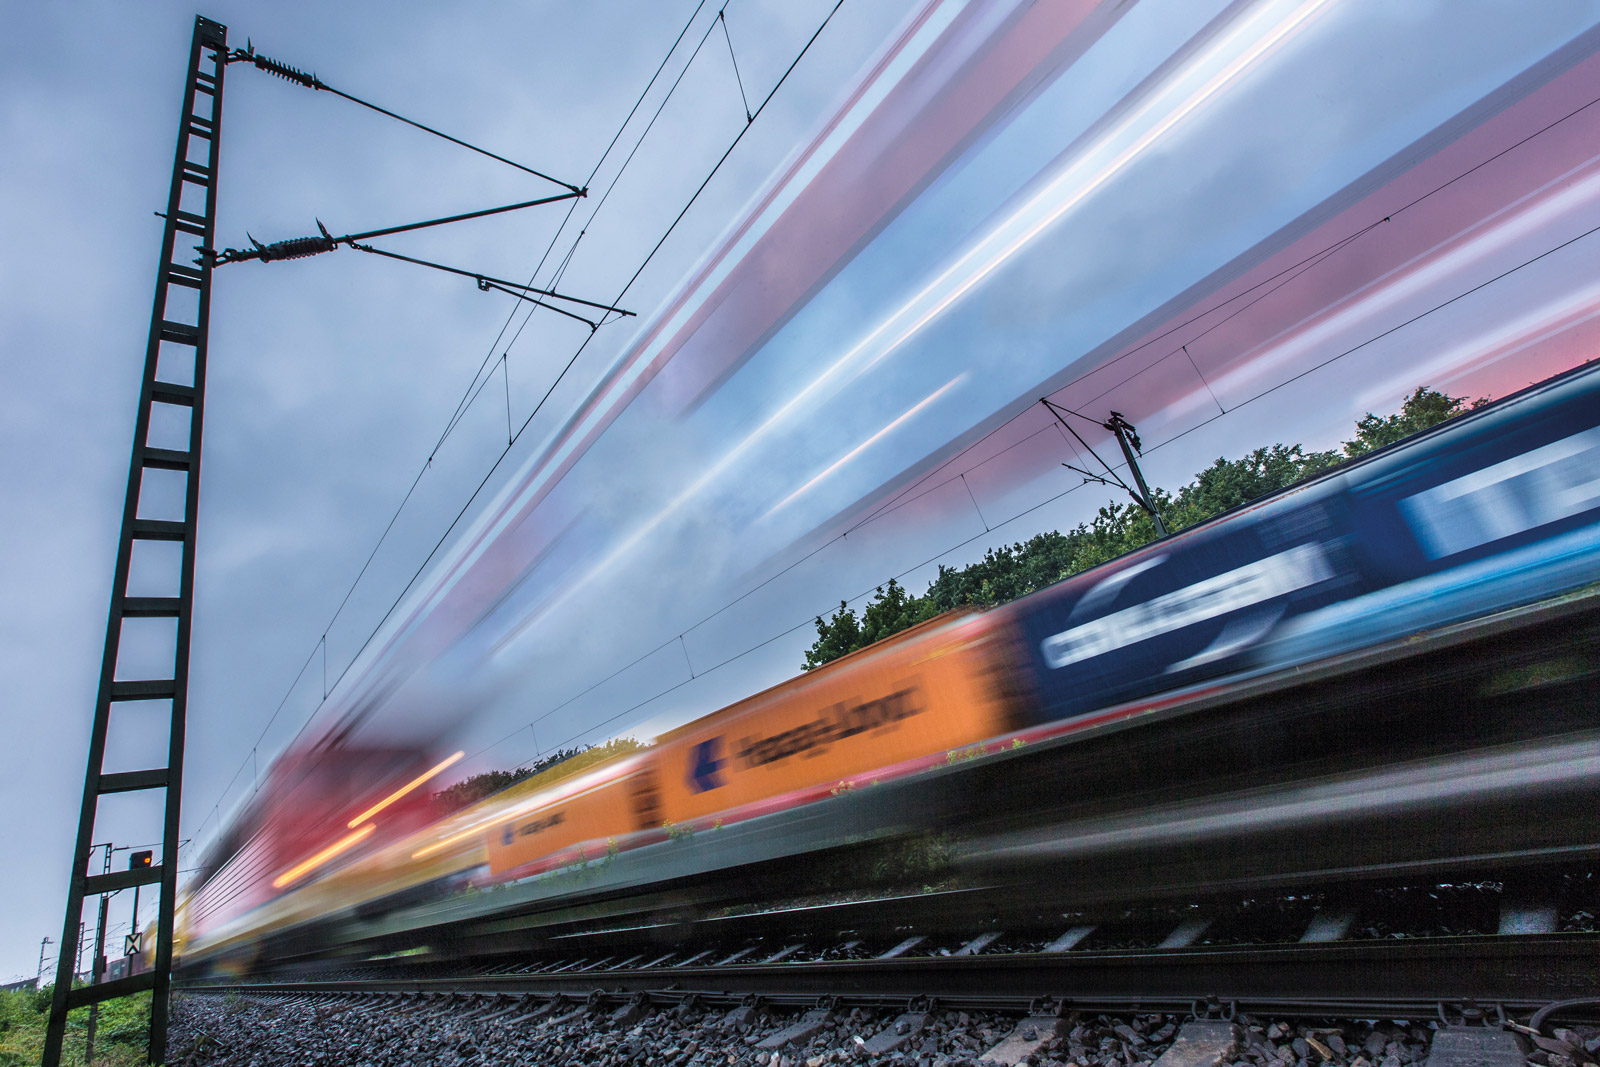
403	790
322	857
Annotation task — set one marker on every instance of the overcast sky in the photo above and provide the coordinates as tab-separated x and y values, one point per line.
945	212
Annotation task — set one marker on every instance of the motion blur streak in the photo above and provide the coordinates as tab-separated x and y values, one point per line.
1363	573
1227	58
874	439
322	857
627	375
403	790
446	842
1439	268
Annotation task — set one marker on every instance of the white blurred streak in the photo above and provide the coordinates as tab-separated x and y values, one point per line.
1185	89
908	414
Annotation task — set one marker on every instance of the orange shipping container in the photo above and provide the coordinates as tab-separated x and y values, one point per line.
583	813
927	692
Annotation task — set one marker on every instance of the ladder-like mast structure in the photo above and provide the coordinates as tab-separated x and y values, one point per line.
174	378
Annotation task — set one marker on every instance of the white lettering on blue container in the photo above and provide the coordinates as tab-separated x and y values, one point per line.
1254	583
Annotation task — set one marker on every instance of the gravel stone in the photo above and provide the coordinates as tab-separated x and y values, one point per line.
233	1031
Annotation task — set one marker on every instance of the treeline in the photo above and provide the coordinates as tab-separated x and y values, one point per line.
562	763
1015	570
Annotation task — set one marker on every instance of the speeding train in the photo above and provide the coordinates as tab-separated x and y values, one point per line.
1495	508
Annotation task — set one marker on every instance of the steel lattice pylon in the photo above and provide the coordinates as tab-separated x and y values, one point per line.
176	349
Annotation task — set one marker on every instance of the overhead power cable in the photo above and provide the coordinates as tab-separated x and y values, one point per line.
311	81
655	249
529	420
471	393
468	394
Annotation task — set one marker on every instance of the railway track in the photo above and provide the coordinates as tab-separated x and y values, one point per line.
1464	1002
1331	950
1409	979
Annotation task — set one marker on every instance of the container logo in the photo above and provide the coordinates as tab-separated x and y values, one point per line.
705	771
512	831
1243	587
836	723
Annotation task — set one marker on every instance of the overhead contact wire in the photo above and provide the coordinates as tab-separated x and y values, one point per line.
455	416
571	209
501	458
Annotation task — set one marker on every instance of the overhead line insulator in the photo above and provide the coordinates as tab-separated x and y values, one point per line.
296	248
272	66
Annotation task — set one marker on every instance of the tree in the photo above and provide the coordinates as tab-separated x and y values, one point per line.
1227	483
839	636
892	610
1422	409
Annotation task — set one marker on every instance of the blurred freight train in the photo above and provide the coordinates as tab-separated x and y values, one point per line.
1496	508
317	805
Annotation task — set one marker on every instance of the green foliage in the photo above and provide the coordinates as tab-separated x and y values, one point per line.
1422	409
121	1033
891	610
839	636
1227	483
1012	571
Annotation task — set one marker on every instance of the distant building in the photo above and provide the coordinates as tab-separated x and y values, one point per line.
25	985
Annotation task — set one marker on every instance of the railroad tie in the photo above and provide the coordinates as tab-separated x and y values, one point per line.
1030	1035
1206	1043
637	1007
1475	1046
743	1015
541	1009
572	1016
905	1026
1067	941
809	1025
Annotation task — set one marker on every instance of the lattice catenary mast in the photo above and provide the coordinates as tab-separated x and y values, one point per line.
174	377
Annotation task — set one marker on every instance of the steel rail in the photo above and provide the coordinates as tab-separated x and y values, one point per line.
1410	978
